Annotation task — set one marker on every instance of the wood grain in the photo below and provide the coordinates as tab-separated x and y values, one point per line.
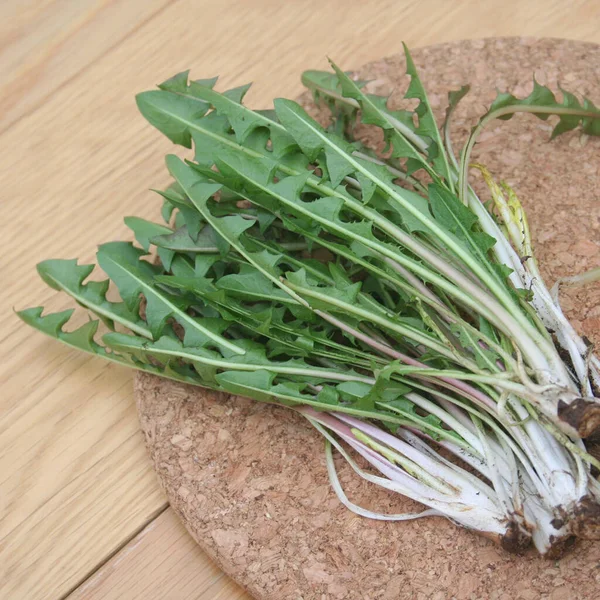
75	484
180	570
46	43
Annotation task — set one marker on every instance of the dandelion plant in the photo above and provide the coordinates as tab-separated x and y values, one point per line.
378	297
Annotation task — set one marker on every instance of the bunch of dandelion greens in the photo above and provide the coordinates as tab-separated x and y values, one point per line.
380	298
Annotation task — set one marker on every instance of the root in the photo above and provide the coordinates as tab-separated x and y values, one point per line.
585	522
581	414
559	546
516	539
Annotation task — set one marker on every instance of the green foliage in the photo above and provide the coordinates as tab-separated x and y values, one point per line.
296	267
67	276
52	325
426	120
542	103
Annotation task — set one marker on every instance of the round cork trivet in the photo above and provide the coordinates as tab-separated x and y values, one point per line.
248	480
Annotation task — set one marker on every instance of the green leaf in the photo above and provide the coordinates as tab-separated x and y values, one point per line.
344	302
460	221
177	83
312	138
229	111
427	125
328	395
254	359
345	294
454	97
255	385
83	339
180	241
410	221
357	393
484	356
376	112
570	111
250	283
187	212
323	81
250	177
171	114
243	121
52	325
590	124
68	276
260	386
325	87
540	96
144	231
303	128
231	227
200	190
134	277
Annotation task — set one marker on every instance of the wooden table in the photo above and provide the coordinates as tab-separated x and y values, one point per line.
81	512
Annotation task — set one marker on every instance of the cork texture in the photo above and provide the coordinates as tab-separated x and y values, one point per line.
248	480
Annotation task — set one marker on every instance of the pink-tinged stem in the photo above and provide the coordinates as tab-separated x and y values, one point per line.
415	282
412	453
455	384
382	464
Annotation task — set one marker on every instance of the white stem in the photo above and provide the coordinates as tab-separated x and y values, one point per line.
495	476
419	444
426	466
544	532
549	458
471	508
549	312
363	512
446	418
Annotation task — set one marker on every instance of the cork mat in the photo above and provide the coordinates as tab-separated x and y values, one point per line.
249	480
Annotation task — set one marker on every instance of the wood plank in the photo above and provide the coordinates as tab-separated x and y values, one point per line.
63	541
163	561
81	159
74	478
44	44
